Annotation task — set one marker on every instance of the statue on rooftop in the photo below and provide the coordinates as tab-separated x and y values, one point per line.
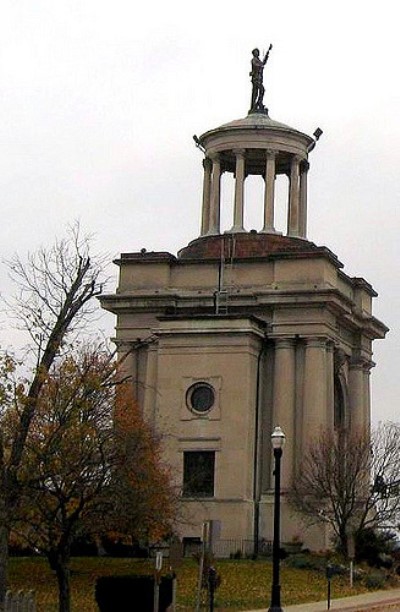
258	90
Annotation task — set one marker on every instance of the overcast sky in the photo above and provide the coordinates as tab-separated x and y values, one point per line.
99	101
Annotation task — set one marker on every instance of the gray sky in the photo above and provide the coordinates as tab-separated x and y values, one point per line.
99	101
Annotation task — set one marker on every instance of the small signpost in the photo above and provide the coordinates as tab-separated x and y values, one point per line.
175	560
351	553
212	585
157	578
208	575
332	570
204	548
329	573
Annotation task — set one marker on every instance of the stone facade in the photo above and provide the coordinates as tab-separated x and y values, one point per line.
243	331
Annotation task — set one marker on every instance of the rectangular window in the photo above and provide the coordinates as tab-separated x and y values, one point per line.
198	473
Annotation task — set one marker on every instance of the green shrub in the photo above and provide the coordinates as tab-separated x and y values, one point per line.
237	555
374	547
304	562
375	581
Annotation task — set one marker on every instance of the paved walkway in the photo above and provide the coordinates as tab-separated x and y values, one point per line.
378	601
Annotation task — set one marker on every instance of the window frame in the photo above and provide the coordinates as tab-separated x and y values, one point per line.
195	484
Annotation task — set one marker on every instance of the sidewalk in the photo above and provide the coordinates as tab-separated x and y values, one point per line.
380	601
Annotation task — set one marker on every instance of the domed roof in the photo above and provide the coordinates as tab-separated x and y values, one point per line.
255	121
253	245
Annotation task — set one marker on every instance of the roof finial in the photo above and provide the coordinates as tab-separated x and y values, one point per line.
258	90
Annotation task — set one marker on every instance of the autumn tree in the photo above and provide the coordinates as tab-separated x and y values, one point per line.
350	481
90	464
54	299
141	500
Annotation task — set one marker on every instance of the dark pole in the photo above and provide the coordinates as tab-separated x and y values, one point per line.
212	583
276	587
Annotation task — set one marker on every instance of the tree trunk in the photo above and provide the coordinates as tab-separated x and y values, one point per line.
4	534
4	528
64	595
343	539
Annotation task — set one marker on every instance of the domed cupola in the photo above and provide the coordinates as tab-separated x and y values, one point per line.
256	145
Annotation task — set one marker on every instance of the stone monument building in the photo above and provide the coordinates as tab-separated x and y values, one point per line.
244	330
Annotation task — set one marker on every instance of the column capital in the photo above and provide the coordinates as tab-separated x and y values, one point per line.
316	342
215	157
340	359
239	152
128	345
330	345
207	163
284	343
270	153
304	166
361	363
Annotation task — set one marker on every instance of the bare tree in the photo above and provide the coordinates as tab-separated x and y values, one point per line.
55	294
350	481
382	506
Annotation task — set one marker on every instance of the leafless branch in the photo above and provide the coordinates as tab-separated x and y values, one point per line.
350	481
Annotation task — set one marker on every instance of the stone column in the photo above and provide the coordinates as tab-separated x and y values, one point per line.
356	396
214	227
269	194
294	198
303	199
330	385
239	191
367	395
150	393
315	418
205	217
126	357
284	402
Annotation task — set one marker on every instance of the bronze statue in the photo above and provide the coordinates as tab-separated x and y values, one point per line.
258	90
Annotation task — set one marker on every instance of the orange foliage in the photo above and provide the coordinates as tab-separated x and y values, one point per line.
143	495
91	464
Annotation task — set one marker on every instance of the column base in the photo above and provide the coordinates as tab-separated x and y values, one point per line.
270	230
236	230
298	236
211	233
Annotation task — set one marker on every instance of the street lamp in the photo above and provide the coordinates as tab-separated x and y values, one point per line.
278	440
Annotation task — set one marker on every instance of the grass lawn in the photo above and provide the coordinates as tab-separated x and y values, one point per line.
245	584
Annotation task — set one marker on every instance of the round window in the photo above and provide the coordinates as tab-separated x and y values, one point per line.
200	397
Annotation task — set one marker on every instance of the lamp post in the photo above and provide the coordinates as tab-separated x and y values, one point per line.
278	440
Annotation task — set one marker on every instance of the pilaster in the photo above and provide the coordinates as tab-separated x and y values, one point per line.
315	417
367	395
330	385
284	401
150	393
358	419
